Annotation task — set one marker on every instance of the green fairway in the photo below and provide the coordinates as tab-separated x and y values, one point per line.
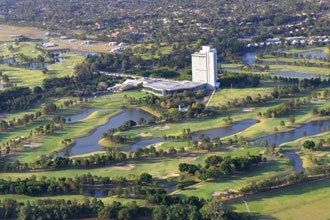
23	77
305	201
158	167
208	189
65	67
300	69
223	96
26	48
264	127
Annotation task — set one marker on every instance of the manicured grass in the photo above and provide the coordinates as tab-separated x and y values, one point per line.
24	77
206	189
26	48
65	67
231	65
31	78
292	60
115	100
265	127
158	167
304	50
53	142
308	155
316	138
305	201
223	96
300	69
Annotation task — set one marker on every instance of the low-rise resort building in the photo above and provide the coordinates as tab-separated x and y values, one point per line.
204	77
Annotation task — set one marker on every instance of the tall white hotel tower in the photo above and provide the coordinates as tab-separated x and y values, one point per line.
205	67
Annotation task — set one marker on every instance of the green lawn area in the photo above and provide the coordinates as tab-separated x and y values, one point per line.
53	142
31	78
306	201
23	77
292	60
206	189
300	69
231	65
265	127
304	50
225	95
65	67
27	48
158	167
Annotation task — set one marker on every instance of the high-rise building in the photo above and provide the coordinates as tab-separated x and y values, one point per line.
205	67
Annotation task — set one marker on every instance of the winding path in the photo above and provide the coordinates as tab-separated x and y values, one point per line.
246	205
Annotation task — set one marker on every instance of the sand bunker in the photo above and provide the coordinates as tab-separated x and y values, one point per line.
32	144
161	128
145	134
167	176
247	109
234	148
124	167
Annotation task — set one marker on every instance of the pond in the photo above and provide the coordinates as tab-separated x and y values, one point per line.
212	133
90	144
249	57
312	54
96	192
33	66
309	129
299	75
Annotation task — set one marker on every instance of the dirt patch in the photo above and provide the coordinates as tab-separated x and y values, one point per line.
167	176
163	127
145	134
224	193
124	167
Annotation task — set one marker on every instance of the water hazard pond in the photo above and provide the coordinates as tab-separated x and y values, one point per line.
89	144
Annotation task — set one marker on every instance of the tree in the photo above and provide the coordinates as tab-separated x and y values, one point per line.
292	120
309	144
214	210
145	178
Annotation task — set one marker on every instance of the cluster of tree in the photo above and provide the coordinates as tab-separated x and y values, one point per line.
321	112
283	109
45	186
17	98
239	80
215	166
173	208
112	156
275	182
168	105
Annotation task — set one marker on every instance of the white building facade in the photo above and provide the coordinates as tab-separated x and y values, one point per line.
205	67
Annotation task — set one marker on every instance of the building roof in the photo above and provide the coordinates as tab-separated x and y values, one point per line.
172	85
